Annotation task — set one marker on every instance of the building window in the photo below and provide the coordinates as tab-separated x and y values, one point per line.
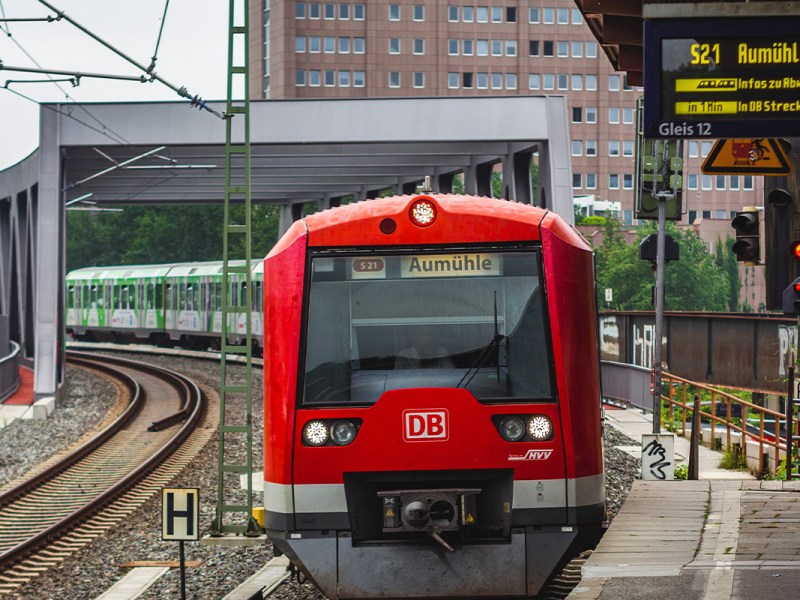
419	12
591	115
330	11
314	78
330	78
627	116
344	45
576	181
627	181
591	83
591	147
511	14
419	46
591	49
300	10
452	80
394	45
563	16
497	14
591	181
344	78
534	81
344	12
511	47
497	81
705	182
563	49
719	214
533	15
627	217
748	182
549	82
577	49
734	182
419	79
577	17
694	151
577	114
548	16
482	81
482	48
706	214
468	47
359	11
533	48
627	148
299	77
577	148
613	181
394	12
497	47
452	14
577	82
452	47
511	81
613	83
358	45
613	148
329	45
466	80
705	148
315	44
613	115
548	48
719	184
314	11
468	14
691	181
483	14
300	43
359	79
394	79
563	82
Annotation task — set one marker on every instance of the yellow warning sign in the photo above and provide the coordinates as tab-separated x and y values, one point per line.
763	156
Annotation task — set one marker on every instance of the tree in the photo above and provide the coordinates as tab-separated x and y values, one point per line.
695	282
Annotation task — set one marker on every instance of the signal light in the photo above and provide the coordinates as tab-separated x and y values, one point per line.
423	211
791	298
748	239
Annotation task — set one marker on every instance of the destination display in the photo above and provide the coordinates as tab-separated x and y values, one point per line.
715	78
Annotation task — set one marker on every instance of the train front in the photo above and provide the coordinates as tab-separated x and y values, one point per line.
432	406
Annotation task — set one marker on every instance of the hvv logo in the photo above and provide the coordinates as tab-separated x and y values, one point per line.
425	425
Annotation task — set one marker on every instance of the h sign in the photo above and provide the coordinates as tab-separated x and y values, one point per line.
180	514
425	425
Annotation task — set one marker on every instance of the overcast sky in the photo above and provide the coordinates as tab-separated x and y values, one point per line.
192	53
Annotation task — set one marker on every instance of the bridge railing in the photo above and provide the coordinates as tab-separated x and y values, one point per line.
727	418
627	384
9	372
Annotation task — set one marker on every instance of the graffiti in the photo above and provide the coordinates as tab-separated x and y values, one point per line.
654	458
643	340
609	339
787	342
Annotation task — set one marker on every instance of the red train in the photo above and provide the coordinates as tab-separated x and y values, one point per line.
432	400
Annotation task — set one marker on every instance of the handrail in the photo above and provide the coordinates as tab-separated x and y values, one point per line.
678	397
9	372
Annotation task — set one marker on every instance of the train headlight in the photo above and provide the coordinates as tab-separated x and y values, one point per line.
512	429
343	433
540	428
423	212
315	433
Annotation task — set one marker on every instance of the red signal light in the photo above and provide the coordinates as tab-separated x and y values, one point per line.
796	250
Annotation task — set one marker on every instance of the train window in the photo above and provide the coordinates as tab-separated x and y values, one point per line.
471	319
243	294
258	296
151	296
182	296
71	297
170	291
131	296
115	304
218	296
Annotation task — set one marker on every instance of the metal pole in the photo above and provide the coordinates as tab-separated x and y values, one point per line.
790	425
658	349
694	443
183	573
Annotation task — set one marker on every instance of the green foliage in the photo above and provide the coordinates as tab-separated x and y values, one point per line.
732	460
152	235
695	282
592	220
682	471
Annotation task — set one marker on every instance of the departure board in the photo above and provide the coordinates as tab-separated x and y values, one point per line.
722	78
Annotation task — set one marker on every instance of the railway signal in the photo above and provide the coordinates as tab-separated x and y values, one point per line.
791	298
748	238
780	264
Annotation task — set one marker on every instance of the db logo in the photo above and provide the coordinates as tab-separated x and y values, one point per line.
425	425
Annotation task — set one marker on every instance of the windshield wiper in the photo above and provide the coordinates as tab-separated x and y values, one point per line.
485	353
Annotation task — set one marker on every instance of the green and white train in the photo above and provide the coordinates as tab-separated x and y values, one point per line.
171	304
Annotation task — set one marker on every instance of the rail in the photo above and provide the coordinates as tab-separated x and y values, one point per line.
754	424
9	373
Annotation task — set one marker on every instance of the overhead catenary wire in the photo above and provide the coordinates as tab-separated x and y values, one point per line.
195	100
158	41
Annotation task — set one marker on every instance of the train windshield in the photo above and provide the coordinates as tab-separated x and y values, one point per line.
472	319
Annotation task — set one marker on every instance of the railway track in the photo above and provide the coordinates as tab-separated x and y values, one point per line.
65	505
